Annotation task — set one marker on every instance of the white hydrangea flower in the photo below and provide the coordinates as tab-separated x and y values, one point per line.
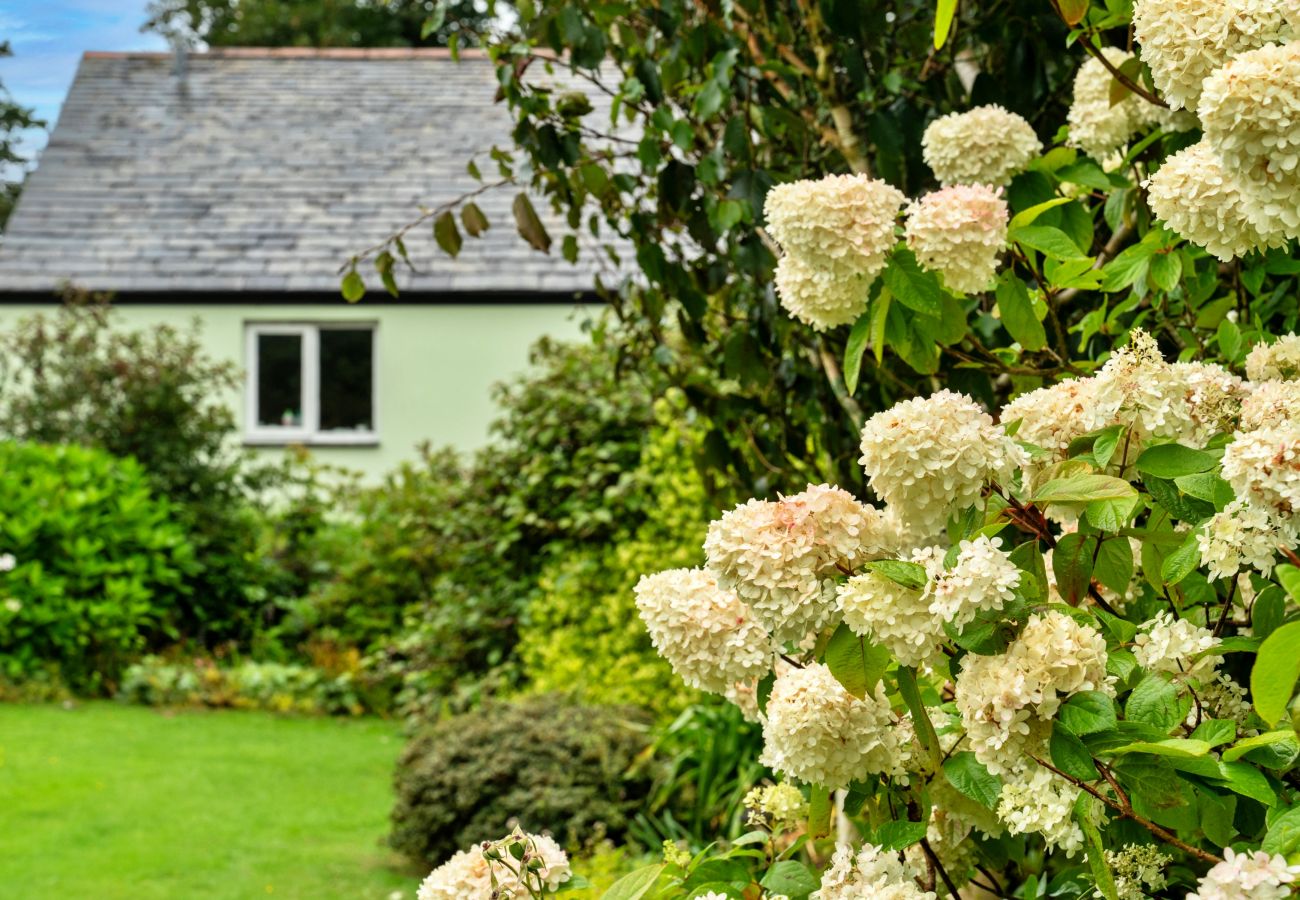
1211	399
843	218
1278	361
894	616
959	231
1243	537
1251	112
983	578
871	872
1138	869
1007	701
1247	876
1263	467
1166	644
779	557
1221	697
1097	127
820	295
468	874
709	636
931	456
817	732
782	805
1202	201
1184	41
1050	418
1271	404
1035	800
985	145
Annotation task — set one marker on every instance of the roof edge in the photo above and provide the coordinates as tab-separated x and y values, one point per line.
332	297
297	53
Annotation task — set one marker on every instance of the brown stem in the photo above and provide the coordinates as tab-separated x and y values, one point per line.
1118	75
1227	609
943	874
1126	812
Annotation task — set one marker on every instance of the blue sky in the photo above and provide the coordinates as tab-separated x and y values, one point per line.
48	38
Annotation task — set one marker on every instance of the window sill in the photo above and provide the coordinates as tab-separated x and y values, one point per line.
313	441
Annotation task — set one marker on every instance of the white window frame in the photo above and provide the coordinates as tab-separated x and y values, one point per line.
308	432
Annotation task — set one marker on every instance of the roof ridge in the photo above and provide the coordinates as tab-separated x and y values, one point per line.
296	53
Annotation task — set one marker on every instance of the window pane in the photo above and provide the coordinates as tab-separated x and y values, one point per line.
279	380
346	379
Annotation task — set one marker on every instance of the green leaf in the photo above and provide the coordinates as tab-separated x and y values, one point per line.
473	219
1268	611
1242	747
1084	488
943	21
791	878
1277	667
1087	713
1103	449
969	777
1050	241
1289	577
1180	747
1283	833
447	234
1166	270
913	286
1206	486
899	835
1216	813
353	287
530	226
1073	12
1215	731
853	350
1072	565
819	811
1132	69
879	319
1070	755
1017	313
911	694
856	662
908	574
1113	565
1027	216
1155	701
634	885
1173	460
1110	516
1182	561
1103	878
1132	264
1244	779
434	21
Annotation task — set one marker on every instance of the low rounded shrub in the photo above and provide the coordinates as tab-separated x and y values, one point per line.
95	563
552	764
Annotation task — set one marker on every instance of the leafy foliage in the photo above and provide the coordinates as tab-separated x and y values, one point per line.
99	567
14	119
554	765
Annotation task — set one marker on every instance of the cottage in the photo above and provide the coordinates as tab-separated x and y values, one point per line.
232	185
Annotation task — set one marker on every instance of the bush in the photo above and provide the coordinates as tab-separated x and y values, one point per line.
552	764
151	394
99	565
277	687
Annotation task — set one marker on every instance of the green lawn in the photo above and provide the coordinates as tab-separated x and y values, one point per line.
110	801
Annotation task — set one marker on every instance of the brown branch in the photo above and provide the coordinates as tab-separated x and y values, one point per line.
1101	57
1227	608
1126	811
943	874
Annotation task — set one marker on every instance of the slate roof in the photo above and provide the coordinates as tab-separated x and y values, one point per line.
263	171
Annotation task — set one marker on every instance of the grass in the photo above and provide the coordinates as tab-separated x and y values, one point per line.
111	801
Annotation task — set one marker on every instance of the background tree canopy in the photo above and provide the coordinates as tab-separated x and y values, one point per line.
14	119
318	23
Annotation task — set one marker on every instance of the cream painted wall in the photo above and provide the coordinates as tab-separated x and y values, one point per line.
435	363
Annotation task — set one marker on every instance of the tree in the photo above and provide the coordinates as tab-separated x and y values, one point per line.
14	119
319	23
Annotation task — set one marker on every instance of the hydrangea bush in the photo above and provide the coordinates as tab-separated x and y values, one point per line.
1052	648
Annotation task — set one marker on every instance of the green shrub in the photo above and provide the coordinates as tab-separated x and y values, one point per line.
554	765
277	687
99	564
155	395
582	633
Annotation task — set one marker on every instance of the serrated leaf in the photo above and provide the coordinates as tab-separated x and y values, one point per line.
1289	577
530	226
969	777
1072	566
1155	701
1206	486
908	574
1084	488
1107	442
1182	561
1277	667
1244	746
1173	460
1102	877
1088	712
856	662
1179	747
1050	241
1070	755
898	835
1283	837
913	286
1027	216
789	877
1132	69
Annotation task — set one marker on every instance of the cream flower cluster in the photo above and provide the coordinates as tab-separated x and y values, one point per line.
1278	361
1037	801
959	231
1243	537
468	875
982	578
1185	41
932	456
1270	404
777	556
1263	467
1007	701
1247	876
709	636
1098	127
985	145
817	732
782	806
870	872
836	234
1166	644
1139	870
